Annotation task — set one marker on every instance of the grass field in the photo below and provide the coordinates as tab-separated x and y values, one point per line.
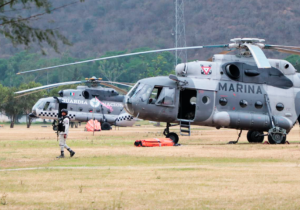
108	172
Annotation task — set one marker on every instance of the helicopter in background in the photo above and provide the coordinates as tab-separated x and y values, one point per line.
84	103
245	91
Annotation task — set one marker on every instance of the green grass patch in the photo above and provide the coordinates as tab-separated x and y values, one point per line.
126	160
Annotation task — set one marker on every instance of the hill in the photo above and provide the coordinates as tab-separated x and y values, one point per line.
95	27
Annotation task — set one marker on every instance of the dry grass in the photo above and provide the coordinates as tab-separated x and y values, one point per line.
108	172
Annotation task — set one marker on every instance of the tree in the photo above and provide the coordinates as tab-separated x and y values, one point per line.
19	28
11	105
3	91
295	61
27	101
111	70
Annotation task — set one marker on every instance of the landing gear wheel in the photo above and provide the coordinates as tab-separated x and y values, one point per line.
173	136
276	140
255	136
105	126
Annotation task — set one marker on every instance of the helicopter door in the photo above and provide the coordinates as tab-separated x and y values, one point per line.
205	104
60	107
187	104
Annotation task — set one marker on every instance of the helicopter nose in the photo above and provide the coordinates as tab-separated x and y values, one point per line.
32	115
128	105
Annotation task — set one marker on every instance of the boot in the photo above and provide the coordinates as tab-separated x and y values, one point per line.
62	155
72	153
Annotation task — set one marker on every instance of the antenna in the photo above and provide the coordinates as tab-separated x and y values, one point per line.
180	40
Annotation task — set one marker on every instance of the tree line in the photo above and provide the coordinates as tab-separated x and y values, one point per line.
127	69
15	106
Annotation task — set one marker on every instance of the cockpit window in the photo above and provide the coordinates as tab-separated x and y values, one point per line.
46	106
166	97
133	90
154	95
139	88
38	105
52	106
144	92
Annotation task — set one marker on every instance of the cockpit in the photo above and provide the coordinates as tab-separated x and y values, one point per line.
143	93
44	104
158	95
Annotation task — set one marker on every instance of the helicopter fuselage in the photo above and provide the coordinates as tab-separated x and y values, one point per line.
229	92
84	104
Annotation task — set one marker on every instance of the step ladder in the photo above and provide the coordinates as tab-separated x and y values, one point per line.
185	128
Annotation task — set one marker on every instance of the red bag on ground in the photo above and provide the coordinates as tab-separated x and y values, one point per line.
155	142
93	125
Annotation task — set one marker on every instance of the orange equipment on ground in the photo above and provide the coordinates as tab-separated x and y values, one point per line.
90	125
155	142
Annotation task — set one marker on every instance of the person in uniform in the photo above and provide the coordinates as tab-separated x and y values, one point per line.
63	129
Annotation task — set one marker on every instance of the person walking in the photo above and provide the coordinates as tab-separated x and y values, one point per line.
63	129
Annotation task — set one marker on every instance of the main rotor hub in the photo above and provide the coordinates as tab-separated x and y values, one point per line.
247	40
240	43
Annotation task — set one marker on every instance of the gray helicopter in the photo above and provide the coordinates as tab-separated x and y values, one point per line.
245	91
84	103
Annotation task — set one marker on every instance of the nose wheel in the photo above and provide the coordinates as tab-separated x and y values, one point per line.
174	137
171	135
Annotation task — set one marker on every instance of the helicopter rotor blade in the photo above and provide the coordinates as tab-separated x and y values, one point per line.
28	93
118	83
50	86
295	52
259	56
125	55
281	47
115	87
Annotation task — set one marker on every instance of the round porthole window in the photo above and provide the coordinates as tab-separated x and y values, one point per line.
193	100
223	101
205	99
243	103
280	106
258	104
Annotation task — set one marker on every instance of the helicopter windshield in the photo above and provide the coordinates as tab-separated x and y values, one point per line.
133	90
144	92
39	104
138	90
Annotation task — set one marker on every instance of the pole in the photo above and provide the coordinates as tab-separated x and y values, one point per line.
94	119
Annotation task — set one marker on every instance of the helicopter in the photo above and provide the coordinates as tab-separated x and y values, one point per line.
244	91
84	103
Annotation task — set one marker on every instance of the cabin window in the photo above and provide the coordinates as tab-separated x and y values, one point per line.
280	106
223	101
166	97
205	99
258	104
80	109
243	103
98	110
193	100
154	95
